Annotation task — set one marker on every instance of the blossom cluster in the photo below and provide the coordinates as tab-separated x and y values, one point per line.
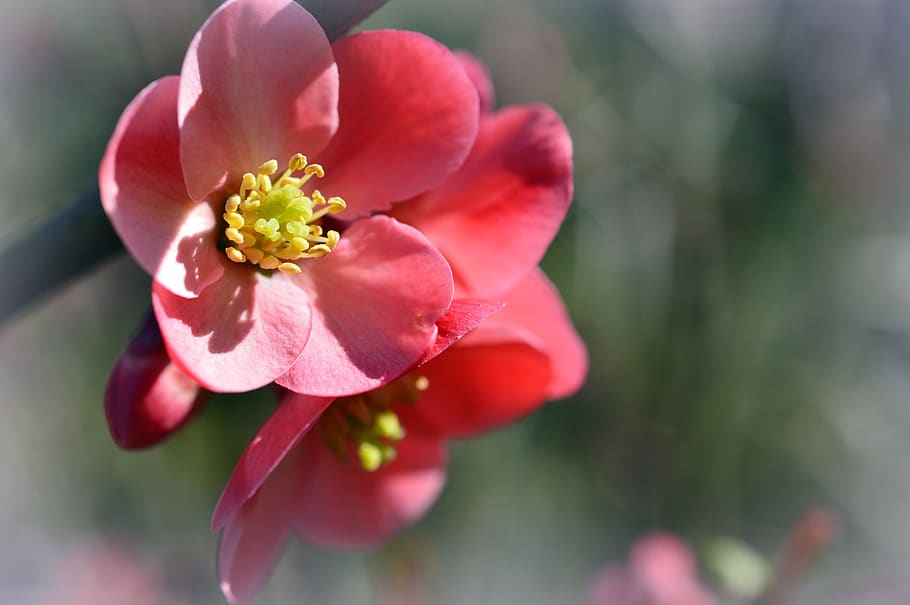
352	223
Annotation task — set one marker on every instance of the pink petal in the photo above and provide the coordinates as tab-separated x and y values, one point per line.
240	334
377	298
142	191
462	317
258	82
616	585
480	77
666	569
496	375
407	118
148	397
254	537
344	505
284	429
536	305
494	219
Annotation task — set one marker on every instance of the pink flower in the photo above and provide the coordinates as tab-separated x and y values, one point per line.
256	277
147	396
350	472
661	571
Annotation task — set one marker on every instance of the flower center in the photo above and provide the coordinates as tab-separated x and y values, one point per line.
369	423
271	224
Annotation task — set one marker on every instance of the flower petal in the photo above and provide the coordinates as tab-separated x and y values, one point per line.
254	537
143	193
284	429
536	305
240	334
407	118
148	397
665	567
258	82
462	317
480	77
494	376
494	219
344	505
377	298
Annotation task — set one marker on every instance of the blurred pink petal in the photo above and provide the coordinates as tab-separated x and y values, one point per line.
536	305
661	571
343	505
253	538
480	77
147	396
295	416
480	385
101	572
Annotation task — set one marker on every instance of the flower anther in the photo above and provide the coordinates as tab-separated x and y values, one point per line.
270	223
368	422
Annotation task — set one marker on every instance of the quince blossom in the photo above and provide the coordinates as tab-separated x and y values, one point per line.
352	471
258	275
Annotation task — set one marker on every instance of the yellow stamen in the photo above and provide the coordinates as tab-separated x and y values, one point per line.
368	424
271	222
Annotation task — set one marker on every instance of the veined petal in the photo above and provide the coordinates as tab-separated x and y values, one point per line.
344	505
241	333
536	305
377	298
142	190
258	83
407	118
496	375
494	219
292	420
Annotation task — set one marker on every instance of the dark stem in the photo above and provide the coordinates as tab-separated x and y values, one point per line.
82	239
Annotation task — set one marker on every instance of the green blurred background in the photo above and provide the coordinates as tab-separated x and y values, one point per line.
737	259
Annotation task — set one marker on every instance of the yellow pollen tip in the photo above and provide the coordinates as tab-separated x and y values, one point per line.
271	222
370	456
268	168
234	254
297	162
336	205
270	262
314	169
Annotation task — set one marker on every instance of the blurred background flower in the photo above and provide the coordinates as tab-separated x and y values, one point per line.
737	258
